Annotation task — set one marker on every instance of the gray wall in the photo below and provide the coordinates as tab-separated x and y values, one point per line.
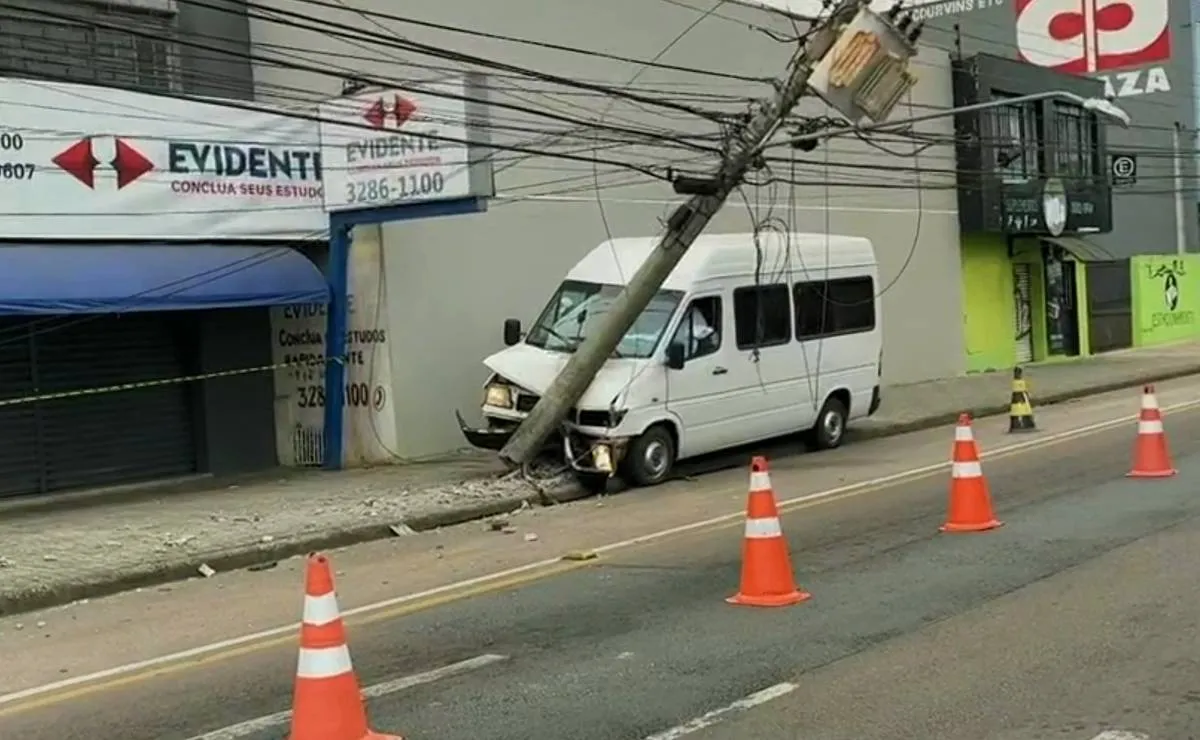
148	45
1144	214
451	282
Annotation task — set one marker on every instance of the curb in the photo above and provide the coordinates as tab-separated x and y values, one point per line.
262	554
1050	399
259	554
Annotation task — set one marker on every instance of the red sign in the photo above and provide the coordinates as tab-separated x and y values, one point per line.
1087	36
79	161
379	113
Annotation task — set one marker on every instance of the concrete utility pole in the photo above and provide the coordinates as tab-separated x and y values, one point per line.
708	196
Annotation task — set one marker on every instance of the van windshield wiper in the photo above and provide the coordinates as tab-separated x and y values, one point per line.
572	344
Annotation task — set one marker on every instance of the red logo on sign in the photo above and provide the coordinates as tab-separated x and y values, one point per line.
79	161
379	113
1084	36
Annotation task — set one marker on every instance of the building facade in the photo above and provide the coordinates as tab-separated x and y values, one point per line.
142	366
1069	293
450	282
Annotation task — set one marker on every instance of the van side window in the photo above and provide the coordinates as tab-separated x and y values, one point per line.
762	316
700	329
829	307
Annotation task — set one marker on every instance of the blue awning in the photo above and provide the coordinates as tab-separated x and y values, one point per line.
106	278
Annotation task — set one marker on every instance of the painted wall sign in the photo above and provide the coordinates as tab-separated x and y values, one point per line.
1104	38
299	336
83	162
1166	298
391	147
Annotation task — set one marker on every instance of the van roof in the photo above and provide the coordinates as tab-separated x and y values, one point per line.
725	255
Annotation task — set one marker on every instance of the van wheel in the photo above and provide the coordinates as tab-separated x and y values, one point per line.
650	458
830	428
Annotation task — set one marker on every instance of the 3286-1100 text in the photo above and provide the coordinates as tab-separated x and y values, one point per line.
396	188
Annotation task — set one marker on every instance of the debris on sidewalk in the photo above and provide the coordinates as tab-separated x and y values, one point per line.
402	529
206	570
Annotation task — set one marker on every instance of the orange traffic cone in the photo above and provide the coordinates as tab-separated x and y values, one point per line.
1151	458
970	499
327	704
767	578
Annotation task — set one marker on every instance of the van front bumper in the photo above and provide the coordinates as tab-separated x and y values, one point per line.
485	438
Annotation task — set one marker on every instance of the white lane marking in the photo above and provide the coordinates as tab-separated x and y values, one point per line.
708	719
261	724
502	575
1121	735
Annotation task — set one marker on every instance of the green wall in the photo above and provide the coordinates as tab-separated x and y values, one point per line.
1166	298
988	301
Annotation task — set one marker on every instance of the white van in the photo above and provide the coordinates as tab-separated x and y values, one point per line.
744	342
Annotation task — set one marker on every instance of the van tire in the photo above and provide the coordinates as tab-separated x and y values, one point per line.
650	457
830	428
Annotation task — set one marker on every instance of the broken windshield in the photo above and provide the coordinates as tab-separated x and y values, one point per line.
577	308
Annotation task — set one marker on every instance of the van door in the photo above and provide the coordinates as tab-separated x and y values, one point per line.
698	393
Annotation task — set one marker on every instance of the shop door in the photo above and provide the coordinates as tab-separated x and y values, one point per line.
93	439
1023	312
1109	305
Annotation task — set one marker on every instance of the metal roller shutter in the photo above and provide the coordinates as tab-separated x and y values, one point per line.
107	438
1023	312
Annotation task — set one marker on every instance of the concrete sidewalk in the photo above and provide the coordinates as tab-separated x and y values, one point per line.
53	555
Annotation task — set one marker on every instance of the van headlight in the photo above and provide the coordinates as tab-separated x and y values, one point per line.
498	395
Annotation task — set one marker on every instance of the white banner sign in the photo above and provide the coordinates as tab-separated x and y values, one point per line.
299	337
83	162
392	147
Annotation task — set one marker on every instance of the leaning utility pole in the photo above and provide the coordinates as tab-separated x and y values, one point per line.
869	70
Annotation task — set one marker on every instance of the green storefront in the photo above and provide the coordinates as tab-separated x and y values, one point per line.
1166	298
1025	299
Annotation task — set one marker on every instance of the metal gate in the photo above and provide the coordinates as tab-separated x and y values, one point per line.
1109	305
92	440
1023	312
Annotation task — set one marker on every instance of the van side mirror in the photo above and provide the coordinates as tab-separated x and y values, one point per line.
675	356
512	332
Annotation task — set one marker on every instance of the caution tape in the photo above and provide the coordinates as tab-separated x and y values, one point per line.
160	382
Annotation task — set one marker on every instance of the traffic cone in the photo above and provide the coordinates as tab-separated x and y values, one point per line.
1020	409
327	703
970	500
767	578
1151	458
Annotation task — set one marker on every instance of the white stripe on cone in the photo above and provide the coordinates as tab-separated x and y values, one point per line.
763	529
963	434
1149	401
966	470
323	662
1150	427
760	481
321	610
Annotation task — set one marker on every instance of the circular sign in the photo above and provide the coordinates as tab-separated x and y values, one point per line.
1123	166
1054	206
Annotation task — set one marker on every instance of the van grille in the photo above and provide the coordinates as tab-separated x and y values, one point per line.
526	402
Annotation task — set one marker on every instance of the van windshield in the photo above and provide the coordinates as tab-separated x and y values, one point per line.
575	312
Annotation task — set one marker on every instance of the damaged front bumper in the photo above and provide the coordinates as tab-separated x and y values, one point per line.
486	438
593	455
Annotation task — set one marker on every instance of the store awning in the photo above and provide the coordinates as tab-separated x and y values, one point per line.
106	278
1081	249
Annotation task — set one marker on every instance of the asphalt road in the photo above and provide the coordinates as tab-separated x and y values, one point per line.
1078	615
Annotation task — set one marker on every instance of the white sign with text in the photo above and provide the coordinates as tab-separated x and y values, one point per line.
392	147
299	337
